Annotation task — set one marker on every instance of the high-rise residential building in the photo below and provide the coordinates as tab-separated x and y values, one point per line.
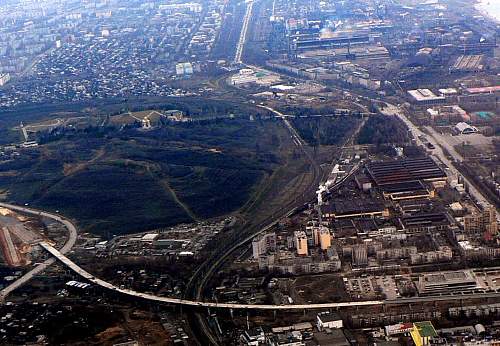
263	243
325	239
315	233
301	243
360	255
321	237
482	224
490	220
4	78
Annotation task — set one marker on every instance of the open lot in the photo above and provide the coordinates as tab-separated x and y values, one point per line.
319	289
475	139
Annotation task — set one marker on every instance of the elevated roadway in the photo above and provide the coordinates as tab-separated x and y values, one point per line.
178	301
72	235
258	307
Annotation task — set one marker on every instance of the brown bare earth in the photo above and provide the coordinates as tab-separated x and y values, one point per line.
319	289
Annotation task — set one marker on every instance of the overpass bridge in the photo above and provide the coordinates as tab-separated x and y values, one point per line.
177	301
60	256
47	263
260	307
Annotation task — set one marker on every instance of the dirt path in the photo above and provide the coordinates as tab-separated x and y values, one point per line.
72	169
172	192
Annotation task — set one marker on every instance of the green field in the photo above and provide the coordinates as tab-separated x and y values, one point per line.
325	130
382	129
115	182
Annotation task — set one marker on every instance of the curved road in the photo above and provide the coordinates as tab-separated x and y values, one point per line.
44	265
60	255
178	301
192	303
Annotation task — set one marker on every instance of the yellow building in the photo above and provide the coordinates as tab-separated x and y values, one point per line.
325	239
422	333
301	243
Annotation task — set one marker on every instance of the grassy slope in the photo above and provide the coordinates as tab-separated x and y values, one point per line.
133	180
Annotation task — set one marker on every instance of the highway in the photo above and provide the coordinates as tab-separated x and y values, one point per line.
243	33
236	306
178	301
44	265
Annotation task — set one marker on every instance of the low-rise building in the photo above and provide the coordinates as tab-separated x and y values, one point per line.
464	129
446	282
443	254
448	114
424	97
422	333
4	78
253	337
329	320
396	253
399	328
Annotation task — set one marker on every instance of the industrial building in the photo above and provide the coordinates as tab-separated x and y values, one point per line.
301	41
356	208
390	172
424	97
406	190
427	221
446	282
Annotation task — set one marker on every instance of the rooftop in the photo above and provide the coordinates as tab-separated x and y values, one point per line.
484	90
424	95
425	329
390	172
347	207
329	317
423	219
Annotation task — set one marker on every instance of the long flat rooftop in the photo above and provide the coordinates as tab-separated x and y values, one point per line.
403	186
353	207
425	219
391	172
